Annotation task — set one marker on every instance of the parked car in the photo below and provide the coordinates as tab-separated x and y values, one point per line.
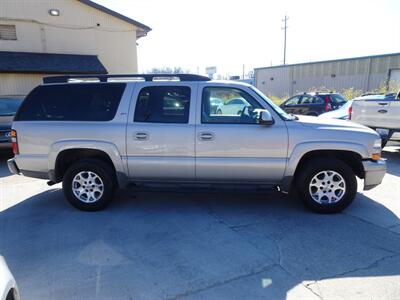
214	104
341	113
313	104
8	286
379	112
8	108
126	132
233	106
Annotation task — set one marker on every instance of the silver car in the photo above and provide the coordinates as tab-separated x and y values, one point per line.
95	137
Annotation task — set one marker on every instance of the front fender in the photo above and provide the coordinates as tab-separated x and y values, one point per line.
303	148
109	148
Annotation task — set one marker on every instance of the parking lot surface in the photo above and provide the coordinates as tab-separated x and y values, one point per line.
201	245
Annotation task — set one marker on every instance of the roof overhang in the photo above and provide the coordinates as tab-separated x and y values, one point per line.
50	63
144	29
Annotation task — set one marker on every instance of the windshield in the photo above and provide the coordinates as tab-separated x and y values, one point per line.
9	106
279	110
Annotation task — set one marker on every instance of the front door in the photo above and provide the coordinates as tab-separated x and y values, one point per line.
160	132
233	147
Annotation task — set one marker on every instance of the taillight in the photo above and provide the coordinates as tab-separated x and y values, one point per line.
328	105
350	111
14	142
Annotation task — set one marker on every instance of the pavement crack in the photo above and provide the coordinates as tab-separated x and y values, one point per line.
370	266
220	283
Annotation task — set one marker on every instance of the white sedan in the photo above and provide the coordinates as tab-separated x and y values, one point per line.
8	286
232	107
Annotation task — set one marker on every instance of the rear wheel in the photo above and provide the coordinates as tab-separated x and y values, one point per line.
89	184
327	185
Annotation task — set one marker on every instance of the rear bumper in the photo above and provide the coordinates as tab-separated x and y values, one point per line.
5	144
12	166
374	171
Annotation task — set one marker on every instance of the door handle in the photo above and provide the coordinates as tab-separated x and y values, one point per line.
206	136
141	136
382	111
383	103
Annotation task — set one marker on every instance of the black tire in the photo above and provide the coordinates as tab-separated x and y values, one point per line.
314	167
101	169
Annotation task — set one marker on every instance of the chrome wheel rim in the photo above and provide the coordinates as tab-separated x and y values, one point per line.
327	187
87	186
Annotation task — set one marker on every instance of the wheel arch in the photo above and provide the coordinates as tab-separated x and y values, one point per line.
351	154
63	154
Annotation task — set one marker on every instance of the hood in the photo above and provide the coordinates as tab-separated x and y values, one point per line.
333	124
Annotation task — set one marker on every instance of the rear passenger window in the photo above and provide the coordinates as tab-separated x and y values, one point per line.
318	100
72	102
337	99
163	104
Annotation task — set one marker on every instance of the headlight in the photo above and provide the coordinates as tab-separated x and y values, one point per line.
378	144
377	148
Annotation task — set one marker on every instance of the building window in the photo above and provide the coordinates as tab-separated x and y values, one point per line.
8	33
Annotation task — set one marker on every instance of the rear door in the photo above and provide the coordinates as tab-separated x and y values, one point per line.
161	132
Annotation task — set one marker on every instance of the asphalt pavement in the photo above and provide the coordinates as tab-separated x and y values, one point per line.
201	245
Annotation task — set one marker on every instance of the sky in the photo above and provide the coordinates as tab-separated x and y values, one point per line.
228	34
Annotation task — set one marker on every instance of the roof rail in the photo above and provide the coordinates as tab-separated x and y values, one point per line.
105	77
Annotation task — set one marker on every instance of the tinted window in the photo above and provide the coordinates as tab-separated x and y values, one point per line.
8	107
292	101
236	106
163	104
72	102
338	99
236	101
306	100
318	100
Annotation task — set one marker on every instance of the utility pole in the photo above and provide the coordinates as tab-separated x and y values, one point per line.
284	28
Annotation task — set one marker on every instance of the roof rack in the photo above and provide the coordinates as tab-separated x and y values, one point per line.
127	77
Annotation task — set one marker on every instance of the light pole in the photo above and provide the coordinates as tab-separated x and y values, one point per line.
284	28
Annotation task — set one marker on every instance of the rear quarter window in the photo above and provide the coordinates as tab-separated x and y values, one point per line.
72	102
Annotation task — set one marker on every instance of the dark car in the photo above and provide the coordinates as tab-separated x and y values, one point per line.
313	104
8	108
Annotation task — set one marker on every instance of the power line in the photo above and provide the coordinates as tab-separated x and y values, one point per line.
284	28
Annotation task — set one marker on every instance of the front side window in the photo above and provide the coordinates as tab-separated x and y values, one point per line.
163	104
292	101
72	102
234	106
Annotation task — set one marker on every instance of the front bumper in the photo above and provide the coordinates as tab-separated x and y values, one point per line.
374	171
12	166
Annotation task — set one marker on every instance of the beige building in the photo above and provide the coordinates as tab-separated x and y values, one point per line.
41	37
366	73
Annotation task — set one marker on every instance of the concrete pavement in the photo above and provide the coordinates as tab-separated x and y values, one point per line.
186	245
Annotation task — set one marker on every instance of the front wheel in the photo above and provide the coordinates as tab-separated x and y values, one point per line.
89	184
327	185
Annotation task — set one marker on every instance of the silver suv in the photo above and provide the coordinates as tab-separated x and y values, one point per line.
97	133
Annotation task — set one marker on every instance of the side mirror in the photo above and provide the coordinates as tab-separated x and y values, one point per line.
265	118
